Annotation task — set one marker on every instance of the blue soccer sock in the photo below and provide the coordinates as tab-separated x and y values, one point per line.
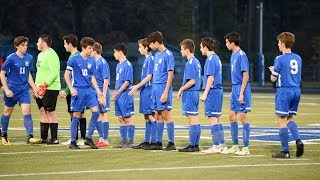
5	123
284	138
99	129
246	134
234	132
153	130
160	127
193	134
105	127
199	134
92	124
221	134
215	134
28	124
73	128
131	129
147	132
292	126
124	132
170	131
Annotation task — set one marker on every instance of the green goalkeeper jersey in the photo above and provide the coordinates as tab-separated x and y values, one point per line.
48	69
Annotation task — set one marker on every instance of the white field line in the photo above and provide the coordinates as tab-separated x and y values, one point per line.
160	169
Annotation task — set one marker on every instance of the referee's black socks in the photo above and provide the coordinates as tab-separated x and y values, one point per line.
44	128
54	130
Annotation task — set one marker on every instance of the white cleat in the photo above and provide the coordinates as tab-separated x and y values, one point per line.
244	152
67	142
213	150
232	150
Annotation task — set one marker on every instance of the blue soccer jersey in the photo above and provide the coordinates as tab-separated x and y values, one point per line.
213	68
163	63
102	72
287	68
124	72
147	68
192	70
17	69
239	64
82	70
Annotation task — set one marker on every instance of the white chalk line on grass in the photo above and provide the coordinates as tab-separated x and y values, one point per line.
159	169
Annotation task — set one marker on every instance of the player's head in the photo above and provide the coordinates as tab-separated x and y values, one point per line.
155	39
232	40
70	42
21	44
207	44
97	49
119	51
86	45
187	47
285	40
44	42
144	46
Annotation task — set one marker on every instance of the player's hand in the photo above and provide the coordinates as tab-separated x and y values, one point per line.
114	96
133	90
102	101
179	94
271	68
9	93
164	98
240	100
62	94
73	91
203	97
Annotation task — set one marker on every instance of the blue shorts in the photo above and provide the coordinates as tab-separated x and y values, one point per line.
107	107
146	100
190	103
20	94
234	104
287	101
87	97
213	103
157	91
124	105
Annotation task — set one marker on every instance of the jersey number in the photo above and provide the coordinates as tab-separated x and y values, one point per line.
22	70
294	66
84	72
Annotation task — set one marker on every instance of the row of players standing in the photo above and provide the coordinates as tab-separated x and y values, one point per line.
159	92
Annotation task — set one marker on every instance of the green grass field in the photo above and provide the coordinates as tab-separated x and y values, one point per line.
22	161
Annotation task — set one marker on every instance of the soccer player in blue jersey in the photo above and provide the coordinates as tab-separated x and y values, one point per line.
145	86
162	90
123	102
286	72
240	100
103	80
83	68
213	93
190	94
15	78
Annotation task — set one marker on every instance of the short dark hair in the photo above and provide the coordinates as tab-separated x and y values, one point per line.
144	42
155	37
19	40
287	38
71	38
188	44
209	42
121	47
97	47
233	37
47	39
86	41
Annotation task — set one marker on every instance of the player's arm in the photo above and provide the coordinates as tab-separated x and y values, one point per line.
244	83
121	89
68	82
210	81
32	84
105	87
274	75
188	85
143	82
164	96
6	89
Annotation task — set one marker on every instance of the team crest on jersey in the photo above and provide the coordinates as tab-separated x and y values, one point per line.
27	63
89	66
160	60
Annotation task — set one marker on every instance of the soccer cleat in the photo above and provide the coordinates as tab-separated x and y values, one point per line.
80	142
300	148
73	145
232	150
141	145
196	148
244	152
53	141
188	149
154	146
215	149
102	143
44	141
67	142
90	143
281	154
122	144
33	140
170	147
129	144
5	141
